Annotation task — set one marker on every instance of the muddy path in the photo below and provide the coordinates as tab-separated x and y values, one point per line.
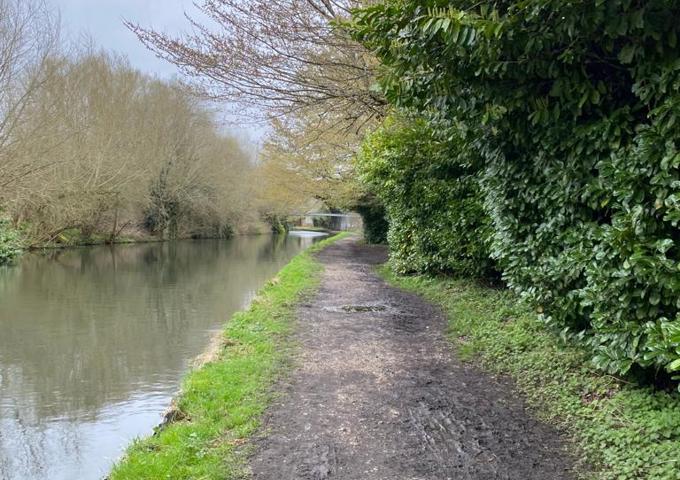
377	394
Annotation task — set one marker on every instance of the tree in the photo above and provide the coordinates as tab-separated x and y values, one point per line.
288	62
28	37
124	152
276	58
304	161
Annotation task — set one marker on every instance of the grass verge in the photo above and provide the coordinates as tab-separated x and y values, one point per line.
221	403
621	431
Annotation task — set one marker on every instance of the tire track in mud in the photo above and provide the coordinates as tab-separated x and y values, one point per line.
377	394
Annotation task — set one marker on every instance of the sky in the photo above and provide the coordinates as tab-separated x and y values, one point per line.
102	21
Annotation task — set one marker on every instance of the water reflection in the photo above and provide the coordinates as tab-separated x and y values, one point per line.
93	342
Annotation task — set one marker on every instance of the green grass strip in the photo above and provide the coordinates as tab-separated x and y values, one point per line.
620	431
222	402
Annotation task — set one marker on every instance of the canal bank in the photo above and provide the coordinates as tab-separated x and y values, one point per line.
222	402
375	393
13	241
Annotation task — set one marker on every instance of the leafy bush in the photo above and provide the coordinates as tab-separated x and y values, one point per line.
574	106
431	194
9	242
277	223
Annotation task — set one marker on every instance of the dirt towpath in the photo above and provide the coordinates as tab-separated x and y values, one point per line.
377	394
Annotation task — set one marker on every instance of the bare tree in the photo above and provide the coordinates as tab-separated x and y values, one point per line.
122	149
28	37
276	57
86	142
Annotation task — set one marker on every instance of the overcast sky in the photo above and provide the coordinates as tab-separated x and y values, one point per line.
102	20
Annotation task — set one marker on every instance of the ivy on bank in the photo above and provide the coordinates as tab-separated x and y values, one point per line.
10	245
573	109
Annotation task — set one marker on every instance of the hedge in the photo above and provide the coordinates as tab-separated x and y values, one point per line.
574	106
432	197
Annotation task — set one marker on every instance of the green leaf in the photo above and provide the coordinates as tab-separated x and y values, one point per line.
626	54
674	366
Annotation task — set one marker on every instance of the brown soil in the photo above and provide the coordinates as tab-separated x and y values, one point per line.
378	394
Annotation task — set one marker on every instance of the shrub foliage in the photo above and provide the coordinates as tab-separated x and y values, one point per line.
9	242
574	108
431	194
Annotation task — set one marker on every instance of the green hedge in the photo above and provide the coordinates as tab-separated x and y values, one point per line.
574	109
432	197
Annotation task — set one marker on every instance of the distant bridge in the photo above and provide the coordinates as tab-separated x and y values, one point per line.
315	214
335	221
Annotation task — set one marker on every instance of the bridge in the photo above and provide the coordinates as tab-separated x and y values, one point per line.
332	221
319	214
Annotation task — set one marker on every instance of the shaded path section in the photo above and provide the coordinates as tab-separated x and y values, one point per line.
378	394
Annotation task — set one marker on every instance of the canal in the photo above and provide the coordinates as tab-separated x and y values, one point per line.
94	342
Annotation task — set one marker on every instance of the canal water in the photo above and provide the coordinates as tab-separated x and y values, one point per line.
94	342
